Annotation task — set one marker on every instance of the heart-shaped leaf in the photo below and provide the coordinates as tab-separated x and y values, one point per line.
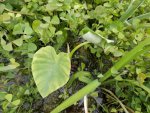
50	71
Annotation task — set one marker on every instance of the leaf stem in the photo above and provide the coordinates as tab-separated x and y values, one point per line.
77	96
77	47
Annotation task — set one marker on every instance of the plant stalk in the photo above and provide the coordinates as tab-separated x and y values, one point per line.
94	84
77	47
85	104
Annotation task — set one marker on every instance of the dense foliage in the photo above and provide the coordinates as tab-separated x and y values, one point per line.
28	25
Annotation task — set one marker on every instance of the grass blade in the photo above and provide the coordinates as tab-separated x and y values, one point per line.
146	25
143	16
138	50
117	99
131	9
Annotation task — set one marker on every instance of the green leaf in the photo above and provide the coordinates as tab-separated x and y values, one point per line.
31	47
18	42
36	25
27	48
97	1
113	110
2	95
114	70
8	97
22	29
28	30
5	17
118	78
16	102
53	5
11	66
61	39
7	47
52	30
47	19
118	53
77	75
45	31
2	7
141	78
59	33
116	26
18	29
55	20
50	71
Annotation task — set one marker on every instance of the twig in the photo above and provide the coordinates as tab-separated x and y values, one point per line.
121	104
86	104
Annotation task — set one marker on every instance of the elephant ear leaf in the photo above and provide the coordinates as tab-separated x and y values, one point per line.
50	70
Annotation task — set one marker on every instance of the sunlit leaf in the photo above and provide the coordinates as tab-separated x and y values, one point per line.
55	20
7	47
2	7
2	95
50	70
8	97
16	102
13	64
36	25
18	42
27	30
141	78
18	29
5	17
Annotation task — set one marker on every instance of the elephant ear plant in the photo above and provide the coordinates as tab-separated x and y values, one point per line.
51	71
